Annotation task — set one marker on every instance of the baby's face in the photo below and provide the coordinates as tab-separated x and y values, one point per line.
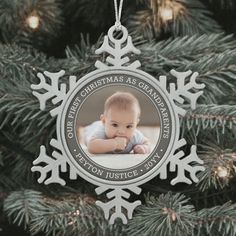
120	123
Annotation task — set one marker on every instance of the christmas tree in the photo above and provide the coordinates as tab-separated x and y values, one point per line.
54	35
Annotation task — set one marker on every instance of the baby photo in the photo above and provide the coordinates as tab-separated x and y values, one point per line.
118	138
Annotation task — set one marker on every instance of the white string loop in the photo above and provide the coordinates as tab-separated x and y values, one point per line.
118	14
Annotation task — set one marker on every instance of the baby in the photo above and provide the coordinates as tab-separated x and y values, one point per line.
116	131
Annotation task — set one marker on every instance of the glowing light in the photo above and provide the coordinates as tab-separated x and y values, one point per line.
33	21
167	14
165	11
222	172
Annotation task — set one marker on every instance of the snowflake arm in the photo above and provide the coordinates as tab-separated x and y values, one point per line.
105	47
52	166
183	89
53	91
118	202
116	50
183	164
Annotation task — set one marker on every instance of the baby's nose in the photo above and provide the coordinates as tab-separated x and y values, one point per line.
121	131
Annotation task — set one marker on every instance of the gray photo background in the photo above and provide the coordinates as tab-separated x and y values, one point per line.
94	104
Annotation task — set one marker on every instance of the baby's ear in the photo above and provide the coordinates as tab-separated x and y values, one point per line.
102	118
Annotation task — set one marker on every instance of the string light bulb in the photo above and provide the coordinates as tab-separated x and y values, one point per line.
33	21
166	14
165	11
222	172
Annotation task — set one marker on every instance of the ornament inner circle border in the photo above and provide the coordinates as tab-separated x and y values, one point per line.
147	79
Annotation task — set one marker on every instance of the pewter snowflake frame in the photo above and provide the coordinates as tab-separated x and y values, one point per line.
118	62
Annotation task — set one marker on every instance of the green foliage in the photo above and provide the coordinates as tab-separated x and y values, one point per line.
218	73
20	206
16	61
190	42
23	127
212	116
73	215
95	13
175	53
83	56
14	26
173	214
217	221
213	56
212	129
195	19
169	214
159	58
219	160
18	107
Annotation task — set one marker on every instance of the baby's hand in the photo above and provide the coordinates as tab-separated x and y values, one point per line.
141	149
121	143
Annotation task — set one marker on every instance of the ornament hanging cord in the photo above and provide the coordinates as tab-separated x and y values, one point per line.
118	14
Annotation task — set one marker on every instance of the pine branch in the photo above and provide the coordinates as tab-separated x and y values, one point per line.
218	221
199	18
210	116
215	59
9	144
22	114
17	159
178	52
168	215
214	63
220	166
96	13
83	55
21	65
14	25
212	128
24	126
68	215
16	62
218	73
7	183
173	214
162	56
20	206
19	109
191	17
201	199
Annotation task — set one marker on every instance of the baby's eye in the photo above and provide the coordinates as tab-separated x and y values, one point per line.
129	126
114	125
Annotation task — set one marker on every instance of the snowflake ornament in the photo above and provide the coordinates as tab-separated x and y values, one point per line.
70	156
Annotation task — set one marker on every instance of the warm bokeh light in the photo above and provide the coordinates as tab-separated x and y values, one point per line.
33	21
166	14
165	11
222	172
